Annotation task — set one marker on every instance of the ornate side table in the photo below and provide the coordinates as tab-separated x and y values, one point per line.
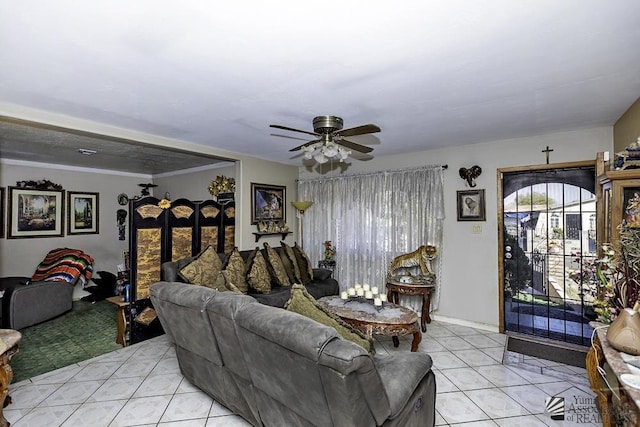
395	289
389	320
121	319
9	339
328	264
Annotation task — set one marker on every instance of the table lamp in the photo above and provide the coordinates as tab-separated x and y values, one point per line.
301	206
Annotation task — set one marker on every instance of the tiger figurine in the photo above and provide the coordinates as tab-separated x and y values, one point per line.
420	257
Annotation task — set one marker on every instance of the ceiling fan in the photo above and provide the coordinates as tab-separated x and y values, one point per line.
330	142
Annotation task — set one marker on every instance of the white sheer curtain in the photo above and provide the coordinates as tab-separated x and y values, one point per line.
372	218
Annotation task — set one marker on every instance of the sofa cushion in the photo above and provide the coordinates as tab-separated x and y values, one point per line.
275	266
290	263
302	303
258	276
235	271
204	269
304	264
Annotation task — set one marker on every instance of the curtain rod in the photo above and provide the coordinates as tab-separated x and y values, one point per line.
374	173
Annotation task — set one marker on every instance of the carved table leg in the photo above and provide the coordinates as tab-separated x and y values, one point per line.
417	337
396	341
425	312
6	375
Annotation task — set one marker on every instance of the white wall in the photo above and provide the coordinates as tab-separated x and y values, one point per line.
470	267
263	172
190	184
19	257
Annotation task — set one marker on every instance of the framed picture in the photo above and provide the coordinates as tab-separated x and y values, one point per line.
35	213
83	213
471	205
1	211
268	202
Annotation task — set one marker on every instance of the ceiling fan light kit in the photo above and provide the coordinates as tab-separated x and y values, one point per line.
330	142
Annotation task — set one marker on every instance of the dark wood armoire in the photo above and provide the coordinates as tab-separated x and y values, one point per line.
158	234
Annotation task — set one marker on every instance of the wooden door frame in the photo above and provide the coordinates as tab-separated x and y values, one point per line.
500	199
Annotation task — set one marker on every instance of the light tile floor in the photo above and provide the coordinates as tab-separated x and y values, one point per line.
141	385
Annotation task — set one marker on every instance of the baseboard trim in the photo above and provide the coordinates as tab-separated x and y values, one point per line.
462	322
569	354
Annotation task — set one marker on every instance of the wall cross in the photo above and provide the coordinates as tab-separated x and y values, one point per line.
547	151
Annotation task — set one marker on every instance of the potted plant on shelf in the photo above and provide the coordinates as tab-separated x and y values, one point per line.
619	274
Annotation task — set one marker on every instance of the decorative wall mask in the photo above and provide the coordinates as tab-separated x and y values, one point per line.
121	217
470	174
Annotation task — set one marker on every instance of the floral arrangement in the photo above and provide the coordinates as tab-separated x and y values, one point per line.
618	276
329	251
222	184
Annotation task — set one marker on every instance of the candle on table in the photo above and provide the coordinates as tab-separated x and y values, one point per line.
358	285
351	291
344	295
374	289
383	297
368	295
360	292
377	302
366	287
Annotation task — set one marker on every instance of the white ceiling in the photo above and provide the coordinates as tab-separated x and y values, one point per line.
430	74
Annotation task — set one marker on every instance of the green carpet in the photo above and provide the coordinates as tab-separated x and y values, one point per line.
88	330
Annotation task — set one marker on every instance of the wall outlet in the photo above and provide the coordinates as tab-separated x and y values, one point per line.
476	229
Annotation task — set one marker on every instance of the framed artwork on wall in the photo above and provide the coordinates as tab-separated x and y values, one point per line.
83	212
35	213
268	202
2	211
471	205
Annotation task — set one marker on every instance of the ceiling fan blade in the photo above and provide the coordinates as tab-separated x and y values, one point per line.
300	147
293	130
359	130
354	146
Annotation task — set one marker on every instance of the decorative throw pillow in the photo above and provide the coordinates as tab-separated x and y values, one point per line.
203	269
235	271
275	266
258	275
290	263
304	264
302	303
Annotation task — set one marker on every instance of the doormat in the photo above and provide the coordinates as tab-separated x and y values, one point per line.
555	352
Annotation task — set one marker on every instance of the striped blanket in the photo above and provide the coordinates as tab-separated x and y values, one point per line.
64	265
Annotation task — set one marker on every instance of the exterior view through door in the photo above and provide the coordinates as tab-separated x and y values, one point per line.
549	251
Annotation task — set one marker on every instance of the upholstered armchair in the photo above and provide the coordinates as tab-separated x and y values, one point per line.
48	293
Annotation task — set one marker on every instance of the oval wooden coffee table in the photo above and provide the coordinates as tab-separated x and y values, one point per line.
389	320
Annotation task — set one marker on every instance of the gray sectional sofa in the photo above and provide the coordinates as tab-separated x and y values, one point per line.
321	285
278	368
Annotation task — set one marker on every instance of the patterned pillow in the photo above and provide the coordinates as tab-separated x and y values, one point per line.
64	265
304	264
290	263
203	269
235	271
302	303
258	275
275	266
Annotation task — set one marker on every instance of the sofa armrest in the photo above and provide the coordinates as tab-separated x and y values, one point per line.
322	274
10	282
401	373
26	305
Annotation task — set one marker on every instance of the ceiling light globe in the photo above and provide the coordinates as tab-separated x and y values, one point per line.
330	150
320	158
